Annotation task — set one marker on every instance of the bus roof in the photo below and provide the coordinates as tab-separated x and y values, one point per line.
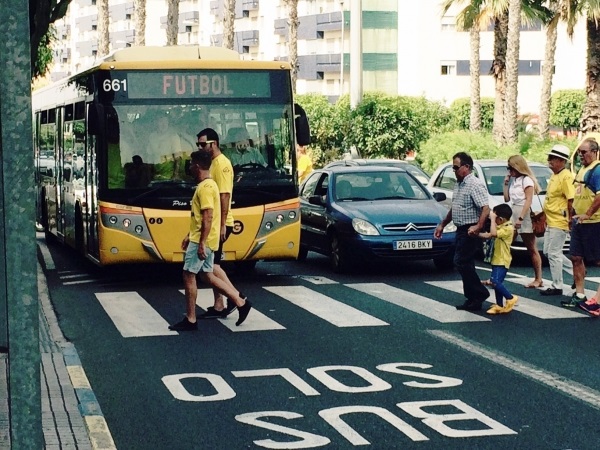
181	57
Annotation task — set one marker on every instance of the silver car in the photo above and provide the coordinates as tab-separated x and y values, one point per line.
493	172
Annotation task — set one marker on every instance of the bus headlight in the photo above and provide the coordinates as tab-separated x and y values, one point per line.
139	229
126	223
268	225
112	220
279	218
292	215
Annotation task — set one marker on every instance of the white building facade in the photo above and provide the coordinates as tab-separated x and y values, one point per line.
409	48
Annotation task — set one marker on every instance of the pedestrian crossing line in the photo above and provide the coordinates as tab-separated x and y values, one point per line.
524	281
76	275
417	303
132	315
534	308
69	283
256	321
326	308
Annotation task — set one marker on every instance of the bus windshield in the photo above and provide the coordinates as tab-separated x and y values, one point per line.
151	146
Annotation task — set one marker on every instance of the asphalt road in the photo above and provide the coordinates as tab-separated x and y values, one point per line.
379	357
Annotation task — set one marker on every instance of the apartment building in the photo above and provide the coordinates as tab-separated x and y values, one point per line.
409	48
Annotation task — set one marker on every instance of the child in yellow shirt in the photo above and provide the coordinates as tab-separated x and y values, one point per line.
502	231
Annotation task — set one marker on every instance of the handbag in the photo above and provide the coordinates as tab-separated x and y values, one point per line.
538	223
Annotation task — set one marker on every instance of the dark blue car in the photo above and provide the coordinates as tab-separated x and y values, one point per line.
362	214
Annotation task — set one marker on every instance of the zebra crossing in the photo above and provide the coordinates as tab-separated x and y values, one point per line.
133	316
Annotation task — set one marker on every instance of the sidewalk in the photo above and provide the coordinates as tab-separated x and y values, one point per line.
71	415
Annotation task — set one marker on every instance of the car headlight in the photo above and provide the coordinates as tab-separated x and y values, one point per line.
363	227
450	228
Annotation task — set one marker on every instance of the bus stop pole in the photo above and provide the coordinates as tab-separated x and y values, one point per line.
18	288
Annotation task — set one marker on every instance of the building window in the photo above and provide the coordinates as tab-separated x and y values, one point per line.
188	28
93	2
320	35
448	27
94	52
65	60
245	49
320	75
448	69
94	27
245	13
127	16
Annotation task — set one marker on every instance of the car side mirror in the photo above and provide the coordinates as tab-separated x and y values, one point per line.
439	196
316	200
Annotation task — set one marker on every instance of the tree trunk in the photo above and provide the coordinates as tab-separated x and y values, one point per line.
140	22
547	75
475	117
590	119
293	40
102	29
512	72
172	21
229	24
498	71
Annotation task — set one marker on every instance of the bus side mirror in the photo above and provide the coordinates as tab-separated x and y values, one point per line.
93	120
302	127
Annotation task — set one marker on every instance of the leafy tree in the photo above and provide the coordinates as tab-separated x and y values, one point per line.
566	108
325	144
42	13
460	109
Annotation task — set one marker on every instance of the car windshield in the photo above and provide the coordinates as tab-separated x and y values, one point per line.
494	178
381	185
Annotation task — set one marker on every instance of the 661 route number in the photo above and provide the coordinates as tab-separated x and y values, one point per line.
114	85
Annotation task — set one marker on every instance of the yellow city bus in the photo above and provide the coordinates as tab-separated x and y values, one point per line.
112	144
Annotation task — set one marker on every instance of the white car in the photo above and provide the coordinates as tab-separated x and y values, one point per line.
493	172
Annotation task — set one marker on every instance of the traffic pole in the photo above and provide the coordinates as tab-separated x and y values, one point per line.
18	275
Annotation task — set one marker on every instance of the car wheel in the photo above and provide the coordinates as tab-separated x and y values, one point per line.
338	257
302	253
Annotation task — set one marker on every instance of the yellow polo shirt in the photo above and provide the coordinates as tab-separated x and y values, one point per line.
560	190
206	196
584	196
502	255
221	171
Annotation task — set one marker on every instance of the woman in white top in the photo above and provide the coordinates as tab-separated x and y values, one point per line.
520	192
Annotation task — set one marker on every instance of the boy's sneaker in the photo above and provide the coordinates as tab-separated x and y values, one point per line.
590	305
510	304
184	325
573	302
495	309
243	312
231	307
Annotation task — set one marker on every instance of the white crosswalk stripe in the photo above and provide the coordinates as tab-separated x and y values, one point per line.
256	321
326	308
534	308
417	303
133	316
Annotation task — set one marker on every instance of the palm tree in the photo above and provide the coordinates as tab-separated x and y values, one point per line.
103	36
512	72
139	7
228	24
498	71
471	18
172	21
293	39
548	69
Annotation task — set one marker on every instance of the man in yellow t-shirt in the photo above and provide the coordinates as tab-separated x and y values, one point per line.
558	208
202	241
222	172
304	163
585	228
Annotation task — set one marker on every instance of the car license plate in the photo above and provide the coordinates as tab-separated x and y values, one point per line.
414	245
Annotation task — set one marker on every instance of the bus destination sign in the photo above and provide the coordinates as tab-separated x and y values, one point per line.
188	85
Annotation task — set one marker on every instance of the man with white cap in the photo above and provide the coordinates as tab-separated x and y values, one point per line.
558	207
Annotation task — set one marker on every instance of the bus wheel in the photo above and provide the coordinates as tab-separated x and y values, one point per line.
79	242
338	258
245	266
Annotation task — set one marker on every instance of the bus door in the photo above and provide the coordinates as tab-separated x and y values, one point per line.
90	210
68	160
60	175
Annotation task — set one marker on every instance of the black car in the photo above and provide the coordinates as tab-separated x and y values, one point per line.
359	214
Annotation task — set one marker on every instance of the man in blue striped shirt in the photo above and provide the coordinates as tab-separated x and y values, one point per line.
470	209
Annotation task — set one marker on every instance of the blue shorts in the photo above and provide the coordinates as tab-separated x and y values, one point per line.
585	242
193	263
